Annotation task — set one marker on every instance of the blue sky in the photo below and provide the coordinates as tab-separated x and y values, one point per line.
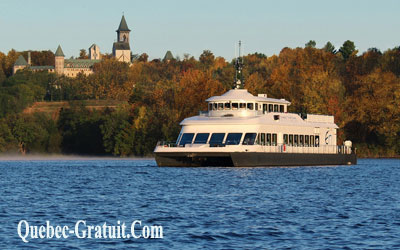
193	26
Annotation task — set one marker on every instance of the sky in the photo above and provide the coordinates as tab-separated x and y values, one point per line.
184	26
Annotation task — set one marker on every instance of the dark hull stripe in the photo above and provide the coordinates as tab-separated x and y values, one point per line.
251	159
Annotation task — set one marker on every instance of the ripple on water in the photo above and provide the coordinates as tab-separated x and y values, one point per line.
344	207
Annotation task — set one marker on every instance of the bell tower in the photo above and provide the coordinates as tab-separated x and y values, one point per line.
123	31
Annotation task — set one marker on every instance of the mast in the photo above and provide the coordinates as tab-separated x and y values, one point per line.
239	81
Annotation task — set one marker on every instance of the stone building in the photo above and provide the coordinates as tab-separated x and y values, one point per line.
121	48
21	63
72	67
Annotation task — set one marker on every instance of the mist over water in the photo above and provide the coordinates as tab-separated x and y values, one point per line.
215	208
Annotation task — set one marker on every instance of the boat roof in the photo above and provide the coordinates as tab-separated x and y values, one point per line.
285	119
242	95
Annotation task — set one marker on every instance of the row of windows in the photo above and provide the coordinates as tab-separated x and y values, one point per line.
267	139
245	106
301	140
217	139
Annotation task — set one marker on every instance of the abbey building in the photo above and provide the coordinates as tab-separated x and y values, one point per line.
72	67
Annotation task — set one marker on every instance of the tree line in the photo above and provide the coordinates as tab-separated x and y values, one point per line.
362	91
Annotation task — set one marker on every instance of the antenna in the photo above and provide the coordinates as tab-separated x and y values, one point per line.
239	66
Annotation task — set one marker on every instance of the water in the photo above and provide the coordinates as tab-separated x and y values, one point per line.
343	207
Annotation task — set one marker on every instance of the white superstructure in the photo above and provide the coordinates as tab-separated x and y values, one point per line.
239	121
240	129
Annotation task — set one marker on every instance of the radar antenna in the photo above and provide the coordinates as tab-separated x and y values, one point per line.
239	81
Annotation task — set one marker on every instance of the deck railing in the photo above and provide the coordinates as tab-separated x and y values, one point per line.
280	148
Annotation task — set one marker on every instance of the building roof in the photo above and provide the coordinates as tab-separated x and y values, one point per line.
93	45
79	63
41	67
122	25
168	56
243	95
21	61
59	52
121	46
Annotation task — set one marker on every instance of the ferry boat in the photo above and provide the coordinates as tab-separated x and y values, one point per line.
243	130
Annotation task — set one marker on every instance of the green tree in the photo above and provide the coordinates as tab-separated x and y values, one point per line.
348	48
311	44
330	48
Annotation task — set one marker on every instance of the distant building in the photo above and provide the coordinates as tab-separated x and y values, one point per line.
168	56
72	67
121	48
94	52
21	63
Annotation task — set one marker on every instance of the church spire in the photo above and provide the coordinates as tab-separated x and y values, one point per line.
122	25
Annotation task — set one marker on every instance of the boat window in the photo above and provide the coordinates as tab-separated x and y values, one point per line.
216	139
242	105
269	142
210	106
256	106
301	140
220	106
285	139
296	140
307	140
227	106
265	108
179	138
312	141
270	108
276	108
281	108
274	139
215	106
235	106
233	138
262	139
317	140
250	106
186	139
290	140
249	138
201	138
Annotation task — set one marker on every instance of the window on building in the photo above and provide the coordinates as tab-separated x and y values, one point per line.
274	139
227	106
269	140
262	139
249	138
233	138
291	140
285	139
201	138
216	139
317	140
186	139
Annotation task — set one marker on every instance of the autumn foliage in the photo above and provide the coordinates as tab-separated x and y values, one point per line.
361	91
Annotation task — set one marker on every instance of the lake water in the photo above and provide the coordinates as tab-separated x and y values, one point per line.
341	207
